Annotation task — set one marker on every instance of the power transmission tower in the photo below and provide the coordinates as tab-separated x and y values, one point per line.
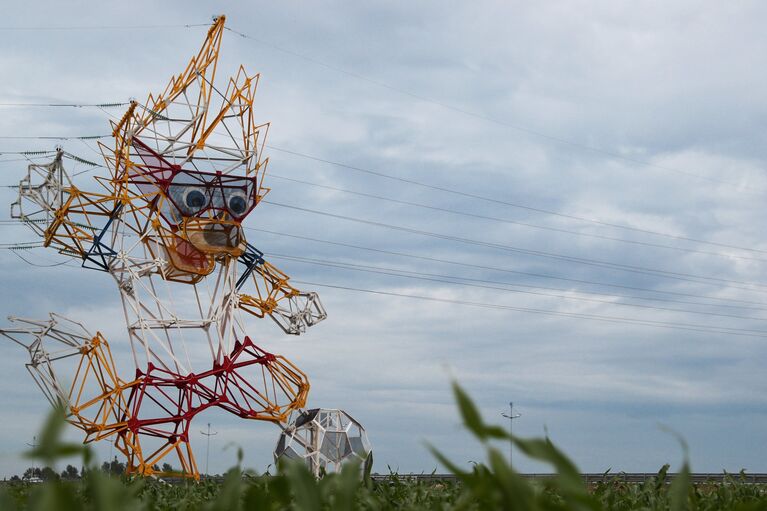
207	450
511	418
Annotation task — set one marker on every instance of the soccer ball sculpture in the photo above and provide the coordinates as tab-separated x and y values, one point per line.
324	439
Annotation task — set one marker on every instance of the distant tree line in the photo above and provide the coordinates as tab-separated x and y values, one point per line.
71	472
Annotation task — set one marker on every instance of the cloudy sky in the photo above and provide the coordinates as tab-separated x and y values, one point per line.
590	176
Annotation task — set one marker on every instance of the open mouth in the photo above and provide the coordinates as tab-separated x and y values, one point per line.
215	236
218	235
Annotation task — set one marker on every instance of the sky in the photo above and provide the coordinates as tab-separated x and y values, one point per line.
577	186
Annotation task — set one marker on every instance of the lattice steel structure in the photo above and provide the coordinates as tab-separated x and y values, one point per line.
324	439
184	170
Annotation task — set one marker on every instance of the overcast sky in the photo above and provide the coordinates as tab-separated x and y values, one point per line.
648	115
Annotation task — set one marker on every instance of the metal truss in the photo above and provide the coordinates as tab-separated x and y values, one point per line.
95	398
184	171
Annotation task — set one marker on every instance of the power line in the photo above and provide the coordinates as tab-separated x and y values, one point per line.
476	197
510	204
28	153
493	245
26	158
25	221
47	154
24	245
549	312
484	284
477	115
612	265
419	97
81	160
456	280
507	221
66	137
596	317
760	305
100	27
689	277
757	305
38	265
70	105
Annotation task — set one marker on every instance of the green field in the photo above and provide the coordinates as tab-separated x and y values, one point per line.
490	485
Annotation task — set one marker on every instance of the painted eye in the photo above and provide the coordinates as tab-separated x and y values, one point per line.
237	203
190	200
194	199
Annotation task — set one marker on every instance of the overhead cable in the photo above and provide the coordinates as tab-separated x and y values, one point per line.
99	27
689	277
511	204
486	284
25	245
478	115
742	304
549	312
38	265
378	83
746	303
508	221
476	197
71	105
27	158
28	153
50	137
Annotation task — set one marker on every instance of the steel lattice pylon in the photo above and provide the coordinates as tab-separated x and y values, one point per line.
184	170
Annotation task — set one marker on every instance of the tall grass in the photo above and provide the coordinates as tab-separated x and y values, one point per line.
489	485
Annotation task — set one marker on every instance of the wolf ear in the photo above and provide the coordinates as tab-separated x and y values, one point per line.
153	174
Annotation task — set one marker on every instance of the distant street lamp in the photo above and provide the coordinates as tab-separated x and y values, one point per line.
34	445
511	418
207	450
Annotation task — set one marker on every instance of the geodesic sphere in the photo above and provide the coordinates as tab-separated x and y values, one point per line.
325	439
